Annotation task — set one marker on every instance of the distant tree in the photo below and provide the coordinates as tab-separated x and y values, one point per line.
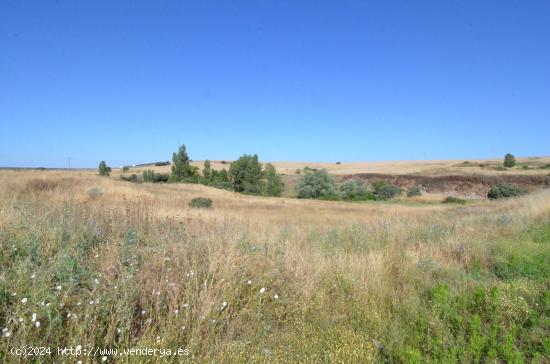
207	172
125	168
509	160
274	186
246	174
103	169
317	184
181	169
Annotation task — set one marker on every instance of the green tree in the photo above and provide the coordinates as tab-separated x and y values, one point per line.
509	160
274	185
316	184
181	169
246	174
207	172
103	169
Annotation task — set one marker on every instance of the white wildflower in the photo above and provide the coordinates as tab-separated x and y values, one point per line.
37	324
104	358
58	288
276	296
262	290
33	317
33	276
249	282
24	300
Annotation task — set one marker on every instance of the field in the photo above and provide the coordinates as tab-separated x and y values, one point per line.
525	165
111	264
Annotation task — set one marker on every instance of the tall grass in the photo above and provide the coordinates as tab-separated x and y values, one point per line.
303	281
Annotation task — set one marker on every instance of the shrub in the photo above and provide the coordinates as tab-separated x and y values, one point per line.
385	191
505	190
103	169
158	164
414	191
95	192
201	202
509	160
125	168
131	178
151	176
546	166
338	163
452	199
355	190
316	184
148	175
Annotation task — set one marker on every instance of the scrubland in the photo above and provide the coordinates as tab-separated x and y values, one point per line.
106	263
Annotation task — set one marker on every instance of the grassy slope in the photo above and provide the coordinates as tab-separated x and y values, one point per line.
355	282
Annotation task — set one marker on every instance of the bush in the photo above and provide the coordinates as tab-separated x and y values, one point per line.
151	176
385	191
546	166
355	191
131	178
95	192
452	199
316	184
125	168
414	191
505	190
158	164
509	160
201	202
338	163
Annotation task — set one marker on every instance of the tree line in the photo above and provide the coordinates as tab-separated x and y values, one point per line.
246	175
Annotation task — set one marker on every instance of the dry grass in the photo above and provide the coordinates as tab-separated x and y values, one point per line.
435	167
352	279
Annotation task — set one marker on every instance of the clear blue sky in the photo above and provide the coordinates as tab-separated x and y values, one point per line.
128	81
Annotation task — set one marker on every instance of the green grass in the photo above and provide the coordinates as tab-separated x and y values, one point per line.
487	301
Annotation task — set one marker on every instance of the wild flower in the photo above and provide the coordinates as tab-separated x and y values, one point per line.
58	288
224	305
24	300
6	332
104	358
249	282
33	317
96	281
177	311
37	324
143	312
276	296
33	276
262	290
91	302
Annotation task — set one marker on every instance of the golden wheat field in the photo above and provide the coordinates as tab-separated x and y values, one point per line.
104	264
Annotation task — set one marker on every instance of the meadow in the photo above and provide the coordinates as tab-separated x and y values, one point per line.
99	262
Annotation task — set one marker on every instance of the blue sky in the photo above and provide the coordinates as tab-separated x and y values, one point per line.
128	81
